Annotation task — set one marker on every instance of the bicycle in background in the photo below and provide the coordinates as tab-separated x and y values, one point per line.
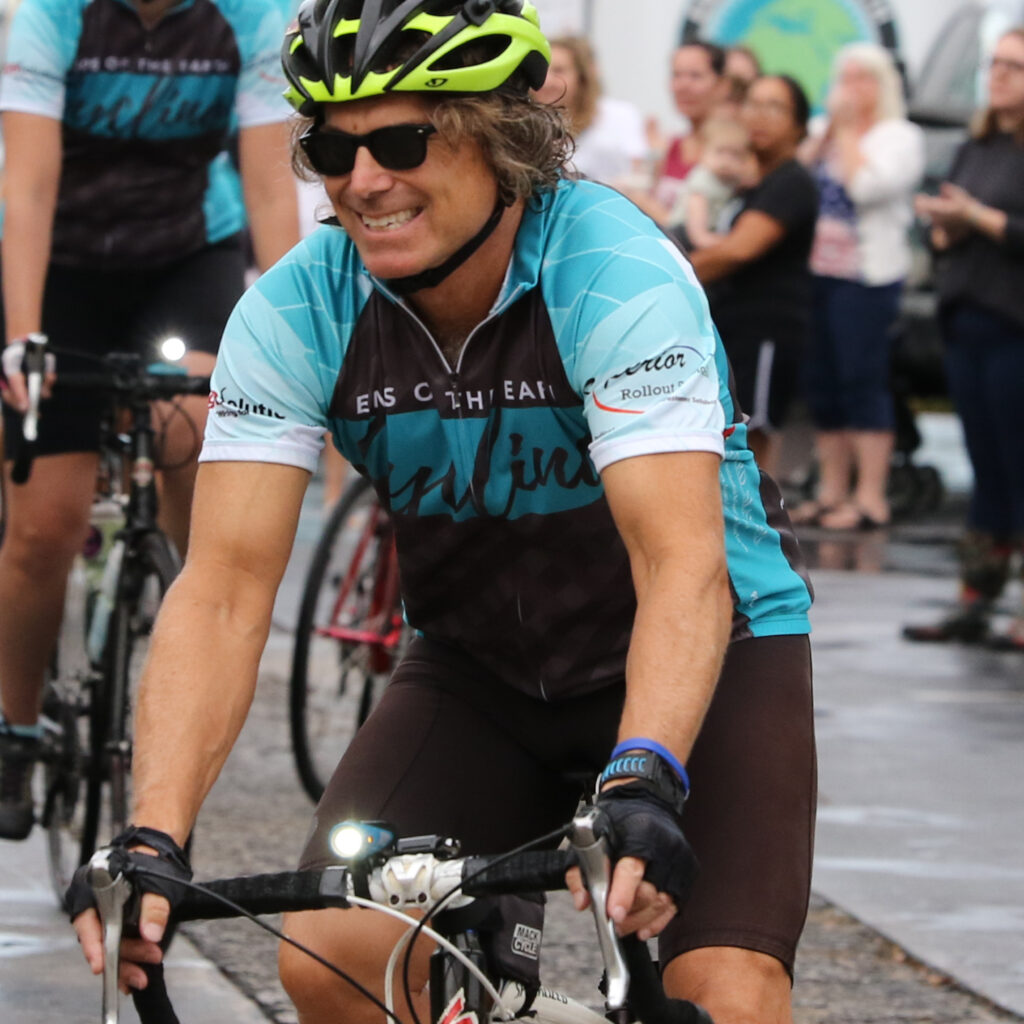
90	693
473	975
349	636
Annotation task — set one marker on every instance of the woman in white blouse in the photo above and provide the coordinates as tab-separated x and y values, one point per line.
611	144
867	162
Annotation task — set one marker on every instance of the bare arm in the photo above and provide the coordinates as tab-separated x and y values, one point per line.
200	676
201	673
669	513
269	188
31	179
753	234
698	229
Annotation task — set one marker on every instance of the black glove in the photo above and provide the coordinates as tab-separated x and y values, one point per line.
639	823
161	873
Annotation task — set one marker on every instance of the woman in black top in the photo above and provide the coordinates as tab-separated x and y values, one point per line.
758	276
978	231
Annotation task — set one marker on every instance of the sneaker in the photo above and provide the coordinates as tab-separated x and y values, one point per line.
18	757
969	625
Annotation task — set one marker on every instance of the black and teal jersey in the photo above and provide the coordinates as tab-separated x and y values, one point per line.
600	347
145	115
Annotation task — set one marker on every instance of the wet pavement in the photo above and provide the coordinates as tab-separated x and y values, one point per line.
918	912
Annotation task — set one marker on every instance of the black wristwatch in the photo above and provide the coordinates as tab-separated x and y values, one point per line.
653	770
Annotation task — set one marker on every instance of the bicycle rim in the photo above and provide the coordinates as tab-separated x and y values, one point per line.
335	683
70	833
146	575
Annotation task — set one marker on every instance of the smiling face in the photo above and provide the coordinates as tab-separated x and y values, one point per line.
405	222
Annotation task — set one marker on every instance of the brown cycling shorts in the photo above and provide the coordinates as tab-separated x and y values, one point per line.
450	751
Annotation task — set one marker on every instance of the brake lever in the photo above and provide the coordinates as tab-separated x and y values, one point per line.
35	371
112	892
592	855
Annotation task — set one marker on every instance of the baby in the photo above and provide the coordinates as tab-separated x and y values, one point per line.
726	166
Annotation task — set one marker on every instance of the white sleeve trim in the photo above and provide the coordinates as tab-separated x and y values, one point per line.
604	453
246	451
24	105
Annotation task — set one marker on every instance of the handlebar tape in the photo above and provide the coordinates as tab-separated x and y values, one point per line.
647	999
265	894
533	871
152	1003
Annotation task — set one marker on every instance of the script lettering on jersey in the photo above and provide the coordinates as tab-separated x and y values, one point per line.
220	403
165	105
528	470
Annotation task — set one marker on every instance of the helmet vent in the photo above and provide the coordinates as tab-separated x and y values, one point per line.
472	54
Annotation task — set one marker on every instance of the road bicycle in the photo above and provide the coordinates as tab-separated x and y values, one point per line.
472	977
89	695
349	635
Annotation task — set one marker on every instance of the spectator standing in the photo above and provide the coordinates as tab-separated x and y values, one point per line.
698	86
759	284
123	222
978	231
867	163
611	146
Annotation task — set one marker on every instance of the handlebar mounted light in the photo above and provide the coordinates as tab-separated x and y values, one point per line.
357	841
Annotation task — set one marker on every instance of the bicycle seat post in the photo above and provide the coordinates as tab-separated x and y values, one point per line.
593	860
112	893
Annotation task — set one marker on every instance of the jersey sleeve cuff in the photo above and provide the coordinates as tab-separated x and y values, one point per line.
604	453
280	454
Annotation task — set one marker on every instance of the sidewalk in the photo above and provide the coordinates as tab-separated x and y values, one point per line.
43	978
921	748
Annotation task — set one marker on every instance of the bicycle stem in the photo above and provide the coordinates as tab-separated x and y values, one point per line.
112	892
592	854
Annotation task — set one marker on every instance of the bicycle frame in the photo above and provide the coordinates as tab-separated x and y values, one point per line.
382	627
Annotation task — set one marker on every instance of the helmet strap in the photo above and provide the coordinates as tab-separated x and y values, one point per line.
435	275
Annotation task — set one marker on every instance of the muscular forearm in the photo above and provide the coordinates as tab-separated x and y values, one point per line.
675	656
28	227
196	691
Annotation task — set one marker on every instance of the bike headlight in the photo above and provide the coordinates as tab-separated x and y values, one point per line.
172	349
357	840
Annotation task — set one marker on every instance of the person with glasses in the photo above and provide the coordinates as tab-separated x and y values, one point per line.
758	280
122	226
526	370
977	229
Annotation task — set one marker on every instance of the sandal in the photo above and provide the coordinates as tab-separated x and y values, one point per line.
850	517
809	513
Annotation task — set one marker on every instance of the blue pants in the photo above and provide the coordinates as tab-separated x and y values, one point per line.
985	363
847	371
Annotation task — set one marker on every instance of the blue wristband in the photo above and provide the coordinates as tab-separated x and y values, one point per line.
656	748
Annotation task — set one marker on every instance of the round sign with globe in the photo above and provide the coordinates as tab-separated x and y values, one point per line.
796	37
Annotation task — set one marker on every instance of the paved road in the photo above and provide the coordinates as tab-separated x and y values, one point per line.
919	835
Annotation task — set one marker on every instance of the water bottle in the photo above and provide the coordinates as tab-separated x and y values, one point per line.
72	658
106	595
105	520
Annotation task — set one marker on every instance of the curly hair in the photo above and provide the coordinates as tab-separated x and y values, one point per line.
526	144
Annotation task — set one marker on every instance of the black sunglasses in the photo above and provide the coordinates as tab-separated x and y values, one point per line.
398	147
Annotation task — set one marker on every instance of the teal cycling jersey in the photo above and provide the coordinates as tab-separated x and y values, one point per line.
600	347
145	114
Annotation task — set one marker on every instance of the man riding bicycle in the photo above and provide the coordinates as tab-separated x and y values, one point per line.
600	577
122	226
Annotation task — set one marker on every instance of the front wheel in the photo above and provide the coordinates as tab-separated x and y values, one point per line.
351	588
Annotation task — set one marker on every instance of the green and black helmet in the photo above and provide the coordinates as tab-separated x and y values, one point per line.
340	50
